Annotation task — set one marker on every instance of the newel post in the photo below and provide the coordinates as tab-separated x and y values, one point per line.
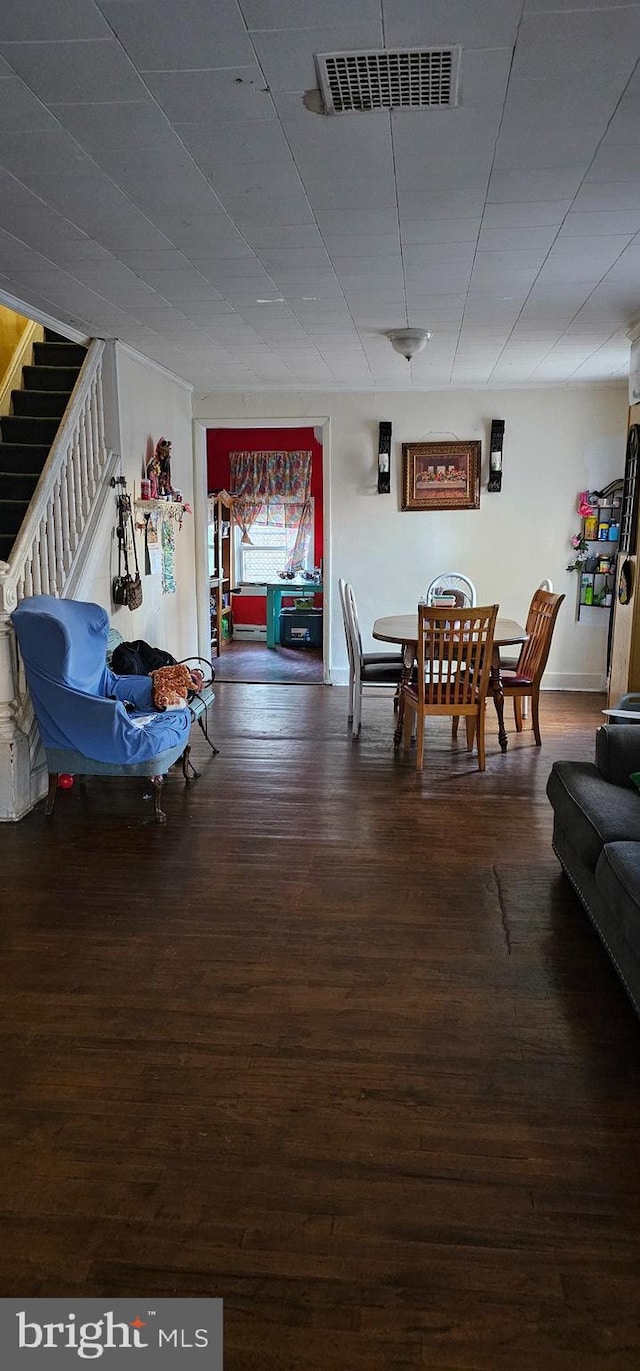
15	797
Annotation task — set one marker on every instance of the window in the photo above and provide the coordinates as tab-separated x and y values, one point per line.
265	556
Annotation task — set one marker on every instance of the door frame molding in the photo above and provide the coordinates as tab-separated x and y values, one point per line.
323	434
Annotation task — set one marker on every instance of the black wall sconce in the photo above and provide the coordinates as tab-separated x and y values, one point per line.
495	455
384	459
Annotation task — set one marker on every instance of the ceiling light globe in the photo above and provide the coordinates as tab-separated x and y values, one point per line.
408	341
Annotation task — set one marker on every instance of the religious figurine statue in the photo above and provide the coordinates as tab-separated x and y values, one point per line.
159	470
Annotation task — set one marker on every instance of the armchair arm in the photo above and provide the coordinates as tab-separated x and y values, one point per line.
618	752
137	689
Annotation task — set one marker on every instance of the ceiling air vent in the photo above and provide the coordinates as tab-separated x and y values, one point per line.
410	78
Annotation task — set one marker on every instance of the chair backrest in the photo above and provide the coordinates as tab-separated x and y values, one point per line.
546	585
342	586
353	625
461	645
452	583
541	619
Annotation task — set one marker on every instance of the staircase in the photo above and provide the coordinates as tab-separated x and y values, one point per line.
27	433
59	454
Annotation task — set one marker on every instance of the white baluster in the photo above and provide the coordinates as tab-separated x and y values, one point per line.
57	529
70	482
95	434
86	475
101	427
78	484
65	517
51	548
27	586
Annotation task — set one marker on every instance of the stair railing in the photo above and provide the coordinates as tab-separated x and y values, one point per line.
54	542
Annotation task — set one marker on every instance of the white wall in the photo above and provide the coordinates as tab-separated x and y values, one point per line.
557	443
152	405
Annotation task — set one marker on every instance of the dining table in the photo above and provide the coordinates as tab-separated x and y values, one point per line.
403	629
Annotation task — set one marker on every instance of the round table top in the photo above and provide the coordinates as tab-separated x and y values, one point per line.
403	628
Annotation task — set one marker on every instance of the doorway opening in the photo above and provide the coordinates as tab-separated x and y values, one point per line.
271	627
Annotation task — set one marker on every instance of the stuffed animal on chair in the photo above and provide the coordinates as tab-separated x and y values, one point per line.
172	685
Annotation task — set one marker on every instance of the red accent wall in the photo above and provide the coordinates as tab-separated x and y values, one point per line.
251	609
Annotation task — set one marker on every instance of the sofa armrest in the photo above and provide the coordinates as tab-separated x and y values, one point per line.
618	752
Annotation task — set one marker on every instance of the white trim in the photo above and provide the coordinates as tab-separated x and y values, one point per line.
200	426
201	549
155	366
41	317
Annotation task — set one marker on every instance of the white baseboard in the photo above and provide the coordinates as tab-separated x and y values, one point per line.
553	680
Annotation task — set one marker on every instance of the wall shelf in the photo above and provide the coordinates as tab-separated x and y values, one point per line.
159	504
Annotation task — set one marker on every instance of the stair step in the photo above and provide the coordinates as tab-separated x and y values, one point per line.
12	513
50	336
22	457
21	428
6	543
50	378
59	354
43	404
18	486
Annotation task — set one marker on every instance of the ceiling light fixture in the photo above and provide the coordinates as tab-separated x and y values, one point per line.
408	341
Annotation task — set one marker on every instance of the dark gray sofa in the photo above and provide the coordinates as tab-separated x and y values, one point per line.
596	837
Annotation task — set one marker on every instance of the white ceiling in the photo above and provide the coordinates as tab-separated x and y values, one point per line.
161	181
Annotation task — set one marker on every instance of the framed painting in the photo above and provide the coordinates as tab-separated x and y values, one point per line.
441	475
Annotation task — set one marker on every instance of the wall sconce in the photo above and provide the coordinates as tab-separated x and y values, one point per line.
495	455
384	459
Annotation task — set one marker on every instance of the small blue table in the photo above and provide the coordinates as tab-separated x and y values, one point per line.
275	591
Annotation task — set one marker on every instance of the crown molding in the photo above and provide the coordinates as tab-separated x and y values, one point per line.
39	316
141	357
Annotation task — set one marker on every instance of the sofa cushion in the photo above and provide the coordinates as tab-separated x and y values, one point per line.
590	810
618	752
618	882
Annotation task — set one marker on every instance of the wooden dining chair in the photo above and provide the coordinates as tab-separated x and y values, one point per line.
524	682
365	668
461	643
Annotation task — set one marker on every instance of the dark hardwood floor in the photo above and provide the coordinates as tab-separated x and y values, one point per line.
338	1045
262	665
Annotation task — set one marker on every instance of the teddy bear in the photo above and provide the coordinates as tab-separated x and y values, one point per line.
172	685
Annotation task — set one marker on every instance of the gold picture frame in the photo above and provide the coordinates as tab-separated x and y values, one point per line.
441	475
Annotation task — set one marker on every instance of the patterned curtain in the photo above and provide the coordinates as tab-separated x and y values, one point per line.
275	487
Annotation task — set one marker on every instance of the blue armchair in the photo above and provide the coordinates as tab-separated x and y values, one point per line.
91	721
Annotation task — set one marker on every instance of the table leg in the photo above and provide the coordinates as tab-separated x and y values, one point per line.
497	690
408	657
273	595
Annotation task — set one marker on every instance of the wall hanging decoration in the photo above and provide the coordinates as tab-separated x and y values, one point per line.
384	458
152	552
495	455
168	544
441	475
126	588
